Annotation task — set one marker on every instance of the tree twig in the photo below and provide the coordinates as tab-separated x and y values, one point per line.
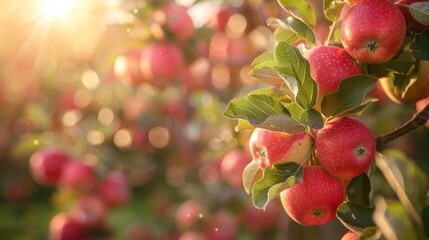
417	120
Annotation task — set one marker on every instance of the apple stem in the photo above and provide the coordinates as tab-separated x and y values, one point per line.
331	33
417	120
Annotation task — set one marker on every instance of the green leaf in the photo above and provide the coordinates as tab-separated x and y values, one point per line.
312	118
408	181
295	70
355	216
243	124
403	64
349	96
362	107
263	110
275	179
309	117
250	174
284	33
263	69
420	12
358	189
302	30
300	9
393	221
255	108
332	9
420	46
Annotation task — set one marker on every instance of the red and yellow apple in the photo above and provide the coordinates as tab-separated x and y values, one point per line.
269	147
417	88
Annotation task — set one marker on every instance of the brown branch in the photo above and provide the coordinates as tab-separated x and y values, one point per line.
417	120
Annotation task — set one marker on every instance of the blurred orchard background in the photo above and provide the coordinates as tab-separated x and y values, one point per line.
81	79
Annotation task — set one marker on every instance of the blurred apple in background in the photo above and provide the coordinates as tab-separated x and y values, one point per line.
232	167
222	225
46	165
77	176
189	213
127	67
115	189
65	227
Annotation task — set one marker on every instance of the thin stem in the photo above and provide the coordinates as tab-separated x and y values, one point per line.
417	120
331	32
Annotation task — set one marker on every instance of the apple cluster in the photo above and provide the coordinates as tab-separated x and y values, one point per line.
345	147
91	196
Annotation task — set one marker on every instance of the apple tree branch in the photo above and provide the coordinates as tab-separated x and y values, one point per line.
417	120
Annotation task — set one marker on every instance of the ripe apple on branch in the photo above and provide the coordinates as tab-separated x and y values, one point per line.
318	91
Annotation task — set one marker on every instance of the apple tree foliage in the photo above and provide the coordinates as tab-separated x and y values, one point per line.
288	104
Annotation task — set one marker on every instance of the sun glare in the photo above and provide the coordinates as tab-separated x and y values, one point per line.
55	8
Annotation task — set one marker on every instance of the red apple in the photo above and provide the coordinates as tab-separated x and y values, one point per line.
329	65
114	189
373	31
269	147
403	5
189	213
46	165
345	147
314	201
77	176
127	67
351	236
221	226
90	211
179	22
232	167
161	63
65	227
